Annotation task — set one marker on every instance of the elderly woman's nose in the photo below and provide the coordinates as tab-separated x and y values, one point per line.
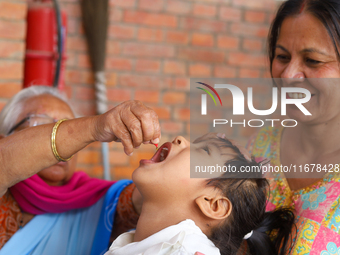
293	70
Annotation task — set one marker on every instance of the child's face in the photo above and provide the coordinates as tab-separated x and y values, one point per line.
167	174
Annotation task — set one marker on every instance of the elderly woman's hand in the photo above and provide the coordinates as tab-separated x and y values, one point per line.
131	122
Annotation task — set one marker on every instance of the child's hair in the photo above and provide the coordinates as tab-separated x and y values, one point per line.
248	196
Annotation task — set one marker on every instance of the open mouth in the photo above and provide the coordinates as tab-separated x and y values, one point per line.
161	154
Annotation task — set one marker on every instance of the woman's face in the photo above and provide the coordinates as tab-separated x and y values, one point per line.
56	109
305	50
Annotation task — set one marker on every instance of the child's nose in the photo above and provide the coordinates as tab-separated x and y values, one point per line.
180	140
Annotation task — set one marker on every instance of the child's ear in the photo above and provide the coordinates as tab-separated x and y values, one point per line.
214	207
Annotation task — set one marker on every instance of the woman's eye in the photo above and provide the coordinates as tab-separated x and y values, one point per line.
312	61
282	57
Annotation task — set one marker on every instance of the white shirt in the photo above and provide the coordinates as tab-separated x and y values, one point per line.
184	238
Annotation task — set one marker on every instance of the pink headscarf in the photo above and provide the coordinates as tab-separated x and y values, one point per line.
37	197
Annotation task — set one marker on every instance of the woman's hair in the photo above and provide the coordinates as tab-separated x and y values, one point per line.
13	108
248	196
327	11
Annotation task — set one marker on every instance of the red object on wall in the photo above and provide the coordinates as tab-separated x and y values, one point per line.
41	45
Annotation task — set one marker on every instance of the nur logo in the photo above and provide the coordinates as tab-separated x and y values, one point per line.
204	97
239	100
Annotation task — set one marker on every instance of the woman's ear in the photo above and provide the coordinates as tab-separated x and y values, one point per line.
214	207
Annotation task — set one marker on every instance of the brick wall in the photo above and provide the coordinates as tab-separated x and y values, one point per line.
153	48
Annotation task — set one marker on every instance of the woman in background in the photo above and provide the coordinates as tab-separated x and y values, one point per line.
303	44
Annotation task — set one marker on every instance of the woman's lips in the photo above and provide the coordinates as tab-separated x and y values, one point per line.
296	95
161	155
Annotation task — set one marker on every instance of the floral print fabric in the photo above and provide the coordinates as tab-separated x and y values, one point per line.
316	207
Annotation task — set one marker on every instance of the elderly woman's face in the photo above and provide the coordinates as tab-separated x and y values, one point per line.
304	49
56	109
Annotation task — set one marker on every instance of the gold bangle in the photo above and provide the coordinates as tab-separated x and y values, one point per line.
54	147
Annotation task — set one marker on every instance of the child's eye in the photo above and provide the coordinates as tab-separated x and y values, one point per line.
206	149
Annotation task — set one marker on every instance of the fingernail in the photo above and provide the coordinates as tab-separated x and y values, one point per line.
137	147
147	142
130	154
155	140
221	135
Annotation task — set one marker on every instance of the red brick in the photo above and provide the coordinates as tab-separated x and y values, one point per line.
147	96
151	19
145	81
246	60
12	29
175	128
252	44
250	30
174	98
123	3
118	63
255	16
2	105
151	66
204	10
249	73
174	67
177	37
224	72
212	56
118	158
122	172
115	14
14	11
84	93
111	79
227	42
178	7
11	69
182	83
182	114
96	172
72	9
9	89
230	14
118	94
76	43
189	23
72	26
121	31
163	113
12	49
83	60
198	39
79	76
85	108
148	50
148	34
258	4
199	70
113	48
152	5
88	157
